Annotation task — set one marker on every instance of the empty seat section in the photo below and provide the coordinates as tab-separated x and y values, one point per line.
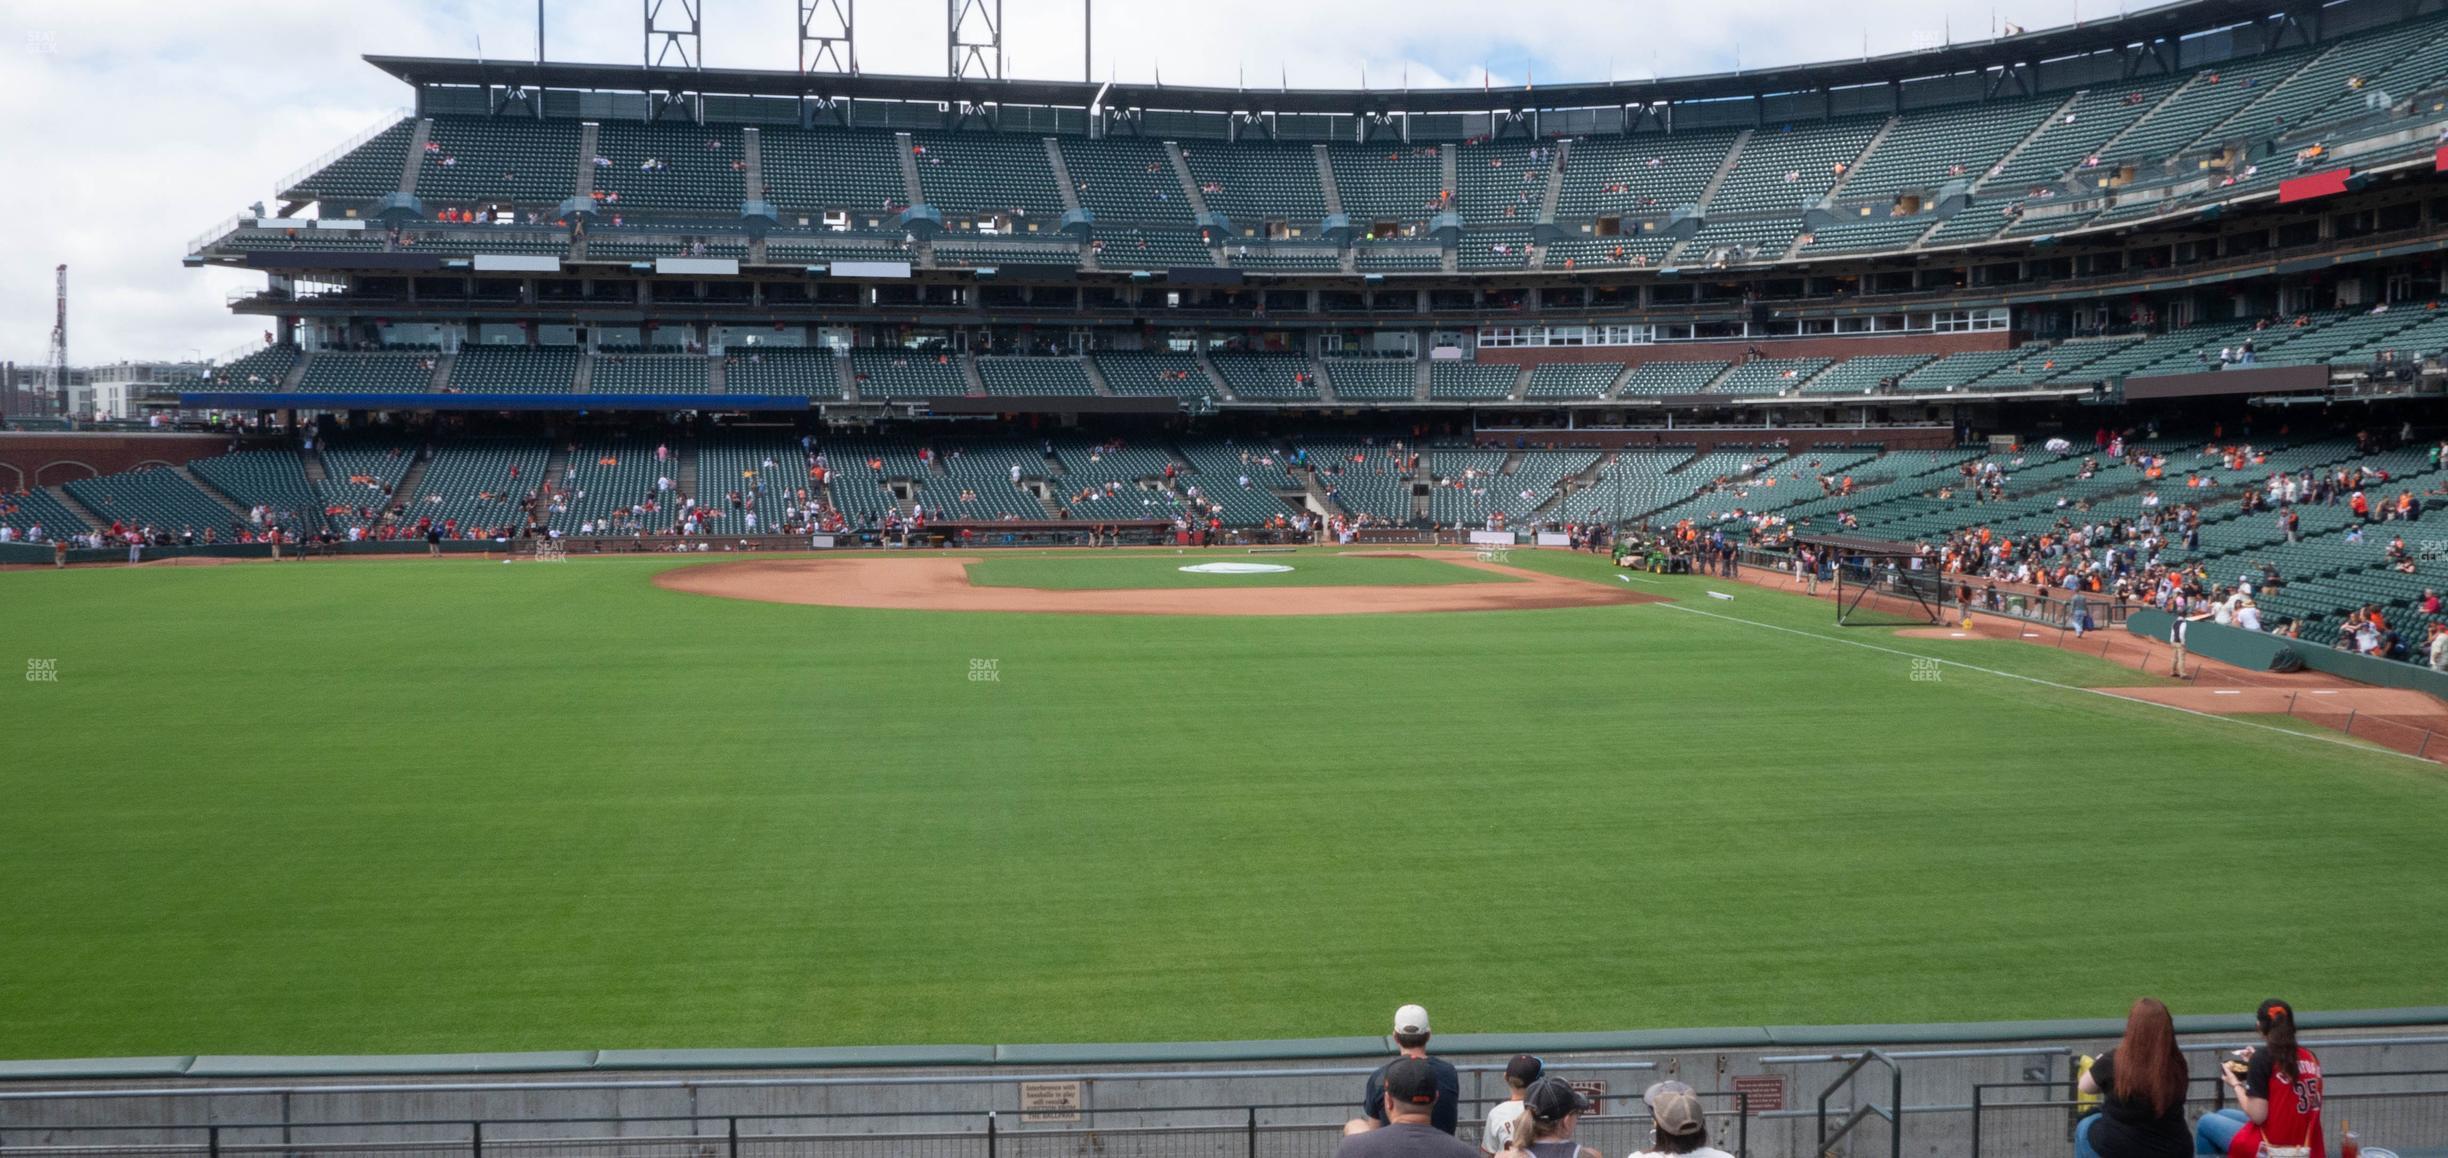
1125	180
1373	379
1389	182
273	479
1931	147
853	170
1472	381
1769	375
1362	477
1573	381
1498	182
670	167
162	499
369	373
1273	377
1789	168
907	373
1138	374
1862	375
265	369
782	370
1644	173
989	172
514	370
1254	183
1653	379
1150	249
629	372
511	160
1034	377
369	172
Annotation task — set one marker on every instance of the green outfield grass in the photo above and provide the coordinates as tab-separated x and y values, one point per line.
456	805
1082	569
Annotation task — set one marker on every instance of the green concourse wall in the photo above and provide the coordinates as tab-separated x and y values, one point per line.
226	1067
2260	651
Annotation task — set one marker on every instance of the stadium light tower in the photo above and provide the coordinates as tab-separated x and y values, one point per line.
825	43
677	35
55	370
981	50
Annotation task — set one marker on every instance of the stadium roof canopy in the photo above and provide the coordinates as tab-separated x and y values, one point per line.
2157	29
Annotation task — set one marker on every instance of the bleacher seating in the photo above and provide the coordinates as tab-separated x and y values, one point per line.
1496	181
1271	377
361	478
1788	168
1387	182
771	467
1644	173
853	170
369	172
509	160
38	516
1002	173
962	252
381	373
479	485
1373	380
862	469
1572	381
265	369
1670	378
1150	249
782	370
1396	257
613	479
1929	148
1218	465
1861	375
1769	376
1123	179
273	479
162	499
515	370
1252	183
1138	374
692	166
624	372
1034	377
1471	381
1370	478
902	373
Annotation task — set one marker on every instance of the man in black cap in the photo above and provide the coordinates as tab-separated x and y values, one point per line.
1412	1094
1519	1073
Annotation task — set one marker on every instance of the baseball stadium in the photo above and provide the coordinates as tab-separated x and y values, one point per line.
1819	610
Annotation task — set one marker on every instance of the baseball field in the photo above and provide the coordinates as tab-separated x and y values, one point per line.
459	805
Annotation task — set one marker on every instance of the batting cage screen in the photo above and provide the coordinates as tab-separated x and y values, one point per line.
1878	584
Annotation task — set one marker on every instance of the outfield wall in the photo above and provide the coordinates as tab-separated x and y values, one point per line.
1165	1099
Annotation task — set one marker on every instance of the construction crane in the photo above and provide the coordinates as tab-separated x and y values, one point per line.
55	370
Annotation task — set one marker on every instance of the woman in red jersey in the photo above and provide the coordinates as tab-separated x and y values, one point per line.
2277	1090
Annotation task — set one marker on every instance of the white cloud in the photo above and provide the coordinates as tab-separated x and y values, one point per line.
133	125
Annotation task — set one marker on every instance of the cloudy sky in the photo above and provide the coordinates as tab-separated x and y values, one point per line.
131	126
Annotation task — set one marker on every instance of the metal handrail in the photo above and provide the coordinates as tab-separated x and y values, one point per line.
377	129
1892	1112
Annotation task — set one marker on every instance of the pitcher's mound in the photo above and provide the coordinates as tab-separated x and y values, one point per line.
941	583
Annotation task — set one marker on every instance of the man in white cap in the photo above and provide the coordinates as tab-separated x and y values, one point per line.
1411	1038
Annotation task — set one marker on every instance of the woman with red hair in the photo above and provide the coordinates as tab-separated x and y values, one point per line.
2141	1087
